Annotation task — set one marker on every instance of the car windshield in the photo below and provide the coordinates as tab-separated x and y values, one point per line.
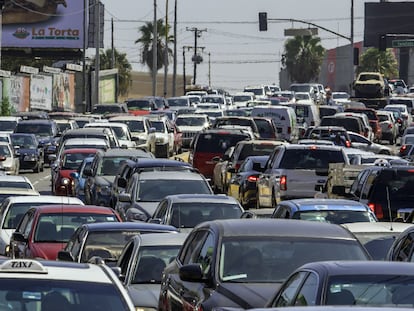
193	121
242	98
39	294
395	186
335	216
151	261
156	190
59	227
72	161
42	130
8	126
240	257
15	184
25	142
188	215
138	105
212	99
106	244
374	290
177	102
135	126
366	77
158	125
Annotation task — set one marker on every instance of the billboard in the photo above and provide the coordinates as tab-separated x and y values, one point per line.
47	24
41	92
387	18
64	91
19	93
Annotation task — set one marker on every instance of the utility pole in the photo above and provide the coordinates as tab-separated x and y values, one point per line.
184	78
112	44
175	50
154	51
209	69
97	46
166	49
196	58
351	39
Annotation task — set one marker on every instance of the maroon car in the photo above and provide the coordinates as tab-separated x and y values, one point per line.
45	230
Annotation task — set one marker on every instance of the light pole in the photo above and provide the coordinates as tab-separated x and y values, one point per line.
154	51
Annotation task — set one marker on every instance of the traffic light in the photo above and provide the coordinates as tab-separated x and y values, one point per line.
382	44
262	21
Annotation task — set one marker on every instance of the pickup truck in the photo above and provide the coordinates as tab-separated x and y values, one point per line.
296	171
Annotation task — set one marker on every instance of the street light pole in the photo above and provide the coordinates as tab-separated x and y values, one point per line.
154	51
351	39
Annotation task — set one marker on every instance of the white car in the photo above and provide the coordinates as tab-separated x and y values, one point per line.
361	142
190	124
8	123
9	159
241	99
13	208
121	130
30	284
164	136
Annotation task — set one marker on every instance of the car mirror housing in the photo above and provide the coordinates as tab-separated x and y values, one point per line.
65	256
191	273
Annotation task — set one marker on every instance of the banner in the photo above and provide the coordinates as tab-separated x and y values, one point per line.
48	24
64	91
41	92
19	93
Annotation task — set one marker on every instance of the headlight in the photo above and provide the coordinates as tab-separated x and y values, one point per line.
160	140
103	190
65	181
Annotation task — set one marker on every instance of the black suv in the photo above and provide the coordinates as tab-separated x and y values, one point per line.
385	189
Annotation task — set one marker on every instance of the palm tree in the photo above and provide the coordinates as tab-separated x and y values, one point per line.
146	41
379	61
303	58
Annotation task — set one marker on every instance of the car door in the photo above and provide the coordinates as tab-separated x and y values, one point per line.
266	181
286	295
20	248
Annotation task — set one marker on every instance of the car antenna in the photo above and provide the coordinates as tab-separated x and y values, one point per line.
389	207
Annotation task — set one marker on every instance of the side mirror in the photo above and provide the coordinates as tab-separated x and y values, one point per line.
339	190
155	221
65	256
216	159
121	183
152	130
87	171
52	157
191	273
74	175
19	237
124	197
247	214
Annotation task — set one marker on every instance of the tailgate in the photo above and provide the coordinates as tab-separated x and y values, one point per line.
303	183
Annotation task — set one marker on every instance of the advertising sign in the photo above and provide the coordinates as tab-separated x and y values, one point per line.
19	93
64	91
41	92
43	24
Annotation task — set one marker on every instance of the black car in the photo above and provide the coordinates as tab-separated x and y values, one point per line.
31	153
402	247
351	283
46	132
241	262
242	185
105	239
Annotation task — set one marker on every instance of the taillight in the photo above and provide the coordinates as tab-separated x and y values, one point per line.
390	126
403	148
283	183
252	178
377	209
348	144
237	166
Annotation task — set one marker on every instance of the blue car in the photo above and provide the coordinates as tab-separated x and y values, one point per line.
31	154
80	178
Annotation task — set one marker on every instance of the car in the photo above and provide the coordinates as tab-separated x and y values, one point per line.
226	121
46	132
384	188
120	129
389	126
105	240
373	120
185	211
16	182
189	125
79	178
266	126
338	134
103	171
142	261
141	131
241	262
364	283
370	85
45	230
296	171
361	142
405	114
175	103
102	133
164	136
350	123
147	188
9	123
71	160
243	183
13	208
140	106
66	124
31	154
377	237
9	159
401	248
104	109
30	284
336	211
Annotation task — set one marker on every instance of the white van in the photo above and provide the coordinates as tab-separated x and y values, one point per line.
307	114
284	118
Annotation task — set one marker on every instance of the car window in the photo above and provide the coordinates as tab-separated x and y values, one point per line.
288	293
308	291
205	256
161	210
405	250
191	246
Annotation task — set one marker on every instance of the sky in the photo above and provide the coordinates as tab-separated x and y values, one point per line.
236	53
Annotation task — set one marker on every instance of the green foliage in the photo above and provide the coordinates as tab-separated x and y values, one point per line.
121	63
5	107
303	58
13	63
145	40
375	60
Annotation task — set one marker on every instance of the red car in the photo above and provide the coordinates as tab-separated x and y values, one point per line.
45	230
63	183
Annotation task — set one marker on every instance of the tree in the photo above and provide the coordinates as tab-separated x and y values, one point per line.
121	63
303	58
379	61
145	40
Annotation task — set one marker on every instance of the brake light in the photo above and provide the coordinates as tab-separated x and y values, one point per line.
313	147
252	178
403	148
377	209
283	183
348	144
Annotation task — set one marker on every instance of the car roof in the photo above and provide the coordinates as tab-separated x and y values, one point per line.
36	121
154	239
178	175
202	198
18	191
326	204
159	162
362	267
58	270
277	227
80	150
376	227
306	147
45	199
53	208
124	152
113	226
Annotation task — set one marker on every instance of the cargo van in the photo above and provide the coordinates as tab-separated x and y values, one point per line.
307	114
284	118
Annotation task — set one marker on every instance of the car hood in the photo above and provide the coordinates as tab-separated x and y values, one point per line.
104	180
149	207
254	294
46	250
144	295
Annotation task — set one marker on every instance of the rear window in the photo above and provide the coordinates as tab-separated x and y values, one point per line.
255	150
349	124
400	185
265	128
310	158
218	143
